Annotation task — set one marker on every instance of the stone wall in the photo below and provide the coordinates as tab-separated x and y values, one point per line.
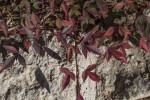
41	79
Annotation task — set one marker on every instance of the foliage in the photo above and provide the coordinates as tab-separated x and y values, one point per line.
85	24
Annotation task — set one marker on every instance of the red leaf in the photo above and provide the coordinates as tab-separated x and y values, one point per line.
80	40
52	6
117	53
84	51
80	97
8	63
110	31
65	81
69	55
99	34
122	50
10	49
21	60
84	75
35	19
126	45
76	50
26	44
66	23
119	5
5	28
94	49
65	9
126	32
91	67
143	44
38	33
108	55
93	76
65	70
72	76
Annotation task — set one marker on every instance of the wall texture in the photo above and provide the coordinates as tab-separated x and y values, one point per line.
41	79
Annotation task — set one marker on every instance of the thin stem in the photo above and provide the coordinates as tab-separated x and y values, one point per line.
77	73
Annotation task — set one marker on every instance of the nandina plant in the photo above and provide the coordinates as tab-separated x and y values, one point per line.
80	26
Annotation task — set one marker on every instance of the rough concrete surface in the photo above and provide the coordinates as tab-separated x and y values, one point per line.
41	79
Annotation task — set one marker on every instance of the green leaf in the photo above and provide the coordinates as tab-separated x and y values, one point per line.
36	6
91	21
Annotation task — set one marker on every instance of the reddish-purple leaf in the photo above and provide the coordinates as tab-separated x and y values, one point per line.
94	49
80	40
76	50
143	44
5	28
26	44
65	9
52	53
10	49
91	67
99	34
108	55
72	76
110	31
63	41
122	50
69	55
66	23
65	70
38	33
52	6
125	45
93	76
35	19
124	30
8	63
80	97
87	36
65	81
84	51
117	53
66	29
22	30
21	60
84	75
119	5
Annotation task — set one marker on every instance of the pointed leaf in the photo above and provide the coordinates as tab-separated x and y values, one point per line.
63	41
108	55
84	51
10	49
84	75
66	23
52	53
110	31
94	49
93	76
8	63
91	67
66	29
72	76
37	47
76	50
21	60
143	44
65	70
5	28
35	19
126	45
26	44
29	33
119	5
65	81
87	36
69	55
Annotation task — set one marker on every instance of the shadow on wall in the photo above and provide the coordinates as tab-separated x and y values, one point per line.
40	77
